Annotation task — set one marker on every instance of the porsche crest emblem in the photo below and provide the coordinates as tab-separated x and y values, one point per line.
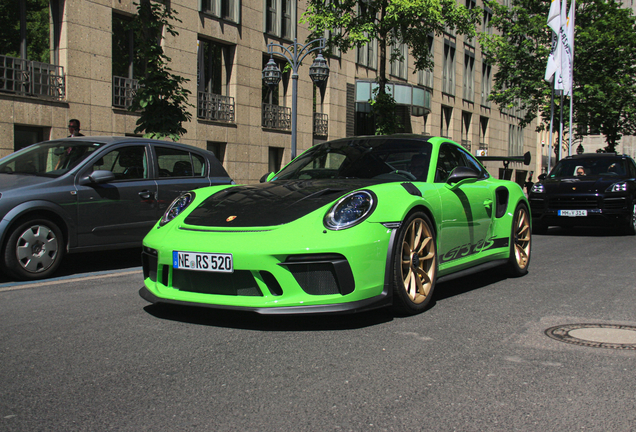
230	218
573	188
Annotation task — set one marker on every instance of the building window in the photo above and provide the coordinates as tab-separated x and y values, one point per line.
275	159
124	65
425	78
487	17
218	148
486	84
24	136
214	67
466	130
483	136
275	115
447	114
366	55
280	18
399	64
515	140
470	40
448	71
469	77
228	10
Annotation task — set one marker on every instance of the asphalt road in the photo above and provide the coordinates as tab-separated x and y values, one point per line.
85	353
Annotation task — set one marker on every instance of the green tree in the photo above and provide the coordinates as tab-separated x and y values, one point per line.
390	22
604	84
161	97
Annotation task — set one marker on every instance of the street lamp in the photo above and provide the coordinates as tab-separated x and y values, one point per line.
294	54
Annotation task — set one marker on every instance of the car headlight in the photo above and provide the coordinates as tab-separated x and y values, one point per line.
350	210
618	187
537	188
177	207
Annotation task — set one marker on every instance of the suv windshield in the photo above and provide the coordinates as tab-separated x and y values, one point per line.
50	159
600	166
361	159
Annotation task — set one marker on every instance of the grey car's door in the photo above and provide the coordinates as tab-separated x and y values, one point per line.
120	212
178	171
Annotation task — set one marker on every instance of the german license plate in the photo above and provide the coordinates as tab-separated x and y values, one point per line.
572	213
211	262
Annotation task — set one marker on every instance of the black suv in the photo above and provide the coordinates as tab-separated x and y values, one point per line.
586	190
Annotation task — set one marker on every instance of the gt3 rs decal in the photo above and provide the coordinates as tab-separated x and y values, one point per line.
473	248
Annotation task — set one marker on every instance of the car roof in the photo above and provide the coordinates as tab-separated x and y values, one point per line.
596	156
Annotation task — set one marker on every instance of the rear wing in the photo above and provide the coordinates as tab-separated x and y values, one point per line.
525	159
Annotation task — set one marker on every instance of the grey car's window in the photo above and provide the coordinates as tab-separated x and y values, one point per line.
51	158
127	163
179	163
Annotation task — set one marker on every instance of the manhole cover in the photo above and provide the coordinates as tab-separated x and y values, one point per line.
596	335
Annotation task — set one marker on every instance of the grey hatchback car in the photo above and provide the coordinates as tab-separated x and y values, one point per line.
91	193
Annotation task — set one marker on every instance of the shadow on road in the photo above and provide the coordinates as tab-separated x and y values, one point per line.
88	262
254	321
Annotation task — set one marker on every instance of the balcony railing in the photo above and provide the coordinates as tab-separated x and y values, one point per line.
124	90
276	117
31	78
321	124
215	107
466	144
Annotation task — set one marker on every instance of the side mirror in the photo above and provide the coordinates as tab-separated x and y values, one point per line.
462	173
98	177
542	176
267	177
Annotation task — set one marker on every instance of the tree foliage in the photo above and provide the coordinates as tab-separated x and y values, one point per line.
37	29
161	97
355	23
604	65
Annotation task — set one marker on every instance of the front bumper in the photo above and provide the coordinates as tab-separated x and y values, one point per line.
601	210
275	271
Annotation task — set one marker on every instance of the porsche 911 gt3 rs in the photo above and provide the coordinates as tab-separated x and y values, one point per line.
349	225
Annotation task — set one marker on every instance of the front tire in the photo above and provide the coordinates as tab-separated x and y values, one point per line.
520	241
34	250
414	265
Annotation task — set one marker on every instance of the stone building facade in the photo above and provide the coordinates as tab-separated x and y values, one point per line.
222	49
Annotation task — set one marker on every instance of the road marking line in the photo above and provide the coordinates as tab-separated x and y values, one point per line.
59	282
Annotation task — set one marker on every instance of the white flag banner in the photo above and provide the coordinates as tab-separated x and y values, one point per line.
567	60
554	22
560	51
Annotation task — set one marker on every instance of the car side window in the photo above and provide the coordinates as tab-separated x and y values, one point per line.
127	163
179	163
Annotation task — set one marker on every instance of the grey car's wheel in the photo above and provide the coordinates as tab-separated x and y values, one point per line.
414	265
34	250
520	241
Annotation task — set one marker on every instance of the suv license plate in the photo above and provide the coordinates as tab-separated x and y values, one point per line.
211	262
572	213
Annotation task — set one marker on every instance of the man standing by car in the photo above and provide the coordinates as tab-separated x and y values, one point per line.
74	128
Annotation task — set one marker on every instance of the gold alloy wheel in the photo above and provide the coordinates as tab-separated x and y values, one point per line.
418	260
521	238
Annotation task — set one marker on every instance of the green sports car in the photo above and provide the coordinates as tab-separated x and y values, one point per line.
349	225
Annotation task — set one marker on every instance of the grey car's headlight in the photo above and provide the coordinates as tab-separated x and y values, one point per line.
618	187
537	188
350	210
177	207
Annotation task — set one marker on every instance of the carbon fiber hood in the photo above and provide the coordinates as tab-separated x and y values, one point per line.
270	204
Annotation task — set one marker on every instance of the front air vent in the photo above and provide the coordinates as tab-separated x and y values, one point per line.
239	283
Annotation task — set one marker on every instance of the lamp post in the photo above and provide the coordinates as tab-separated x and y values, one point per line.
294	54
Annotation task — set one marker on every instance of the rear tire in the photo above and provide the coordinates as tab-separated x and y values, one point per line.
414	265
34	250
520	242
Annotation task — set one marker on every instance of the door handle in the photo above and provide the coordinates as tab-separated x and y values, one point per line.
488	203
145	194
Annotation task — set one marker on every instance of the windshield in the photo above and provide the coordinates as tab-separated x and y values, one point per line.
50	159
606	166
393	159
